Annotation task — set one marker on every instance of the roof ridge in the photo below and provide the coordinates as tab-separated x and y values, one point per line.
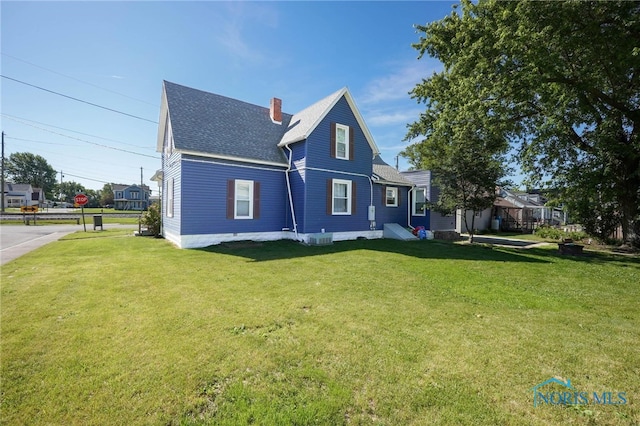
239	101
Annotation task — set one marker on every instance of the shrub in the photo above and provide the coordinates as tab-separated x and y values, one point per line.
546	231
151	219
549	232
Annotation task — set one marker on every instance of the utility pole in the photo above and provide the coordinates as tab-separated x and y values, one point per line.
2	185
141	204
142	193
60	192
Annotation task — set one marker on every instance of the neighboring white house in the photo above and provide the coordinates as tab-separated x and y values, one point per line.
21	194
481	222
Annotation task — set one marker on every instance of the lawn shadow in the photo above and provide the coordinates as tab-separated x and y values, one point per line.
421	249
588	256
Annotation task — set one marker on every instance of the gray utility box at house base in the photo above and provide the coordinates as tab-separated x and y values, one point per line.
321	239
97	221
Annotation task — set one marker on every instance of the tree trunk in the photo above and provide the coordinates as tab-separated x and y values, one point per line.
473	222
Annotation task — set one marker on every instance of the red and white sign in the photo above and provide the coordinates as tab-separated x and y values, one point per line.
81	199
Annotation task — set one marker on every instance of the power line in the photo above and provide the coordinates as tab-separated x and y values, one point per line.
43	142
76	79
78	100
9	116
81	140
86	178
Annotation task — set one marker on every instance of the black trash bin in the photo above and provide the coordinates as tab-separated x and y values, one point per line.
97	221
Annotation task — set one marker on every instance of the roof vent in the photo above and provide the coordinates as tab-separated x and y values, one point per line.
275	110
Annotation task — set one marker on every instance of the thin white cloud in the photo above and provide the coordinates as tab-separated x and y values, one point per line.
386	117
239	16
399	83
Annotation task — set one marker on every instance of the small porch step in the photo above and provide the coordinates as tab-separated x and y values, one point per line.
397	232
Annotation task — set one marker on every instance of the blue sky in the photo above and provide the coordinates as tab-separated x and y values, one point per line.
116	54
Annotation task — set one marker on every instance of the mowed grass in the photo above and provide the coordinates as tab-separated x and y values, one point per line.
106	328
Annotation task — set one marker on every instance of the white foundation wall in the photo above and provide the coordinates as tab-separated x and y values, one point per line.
205	240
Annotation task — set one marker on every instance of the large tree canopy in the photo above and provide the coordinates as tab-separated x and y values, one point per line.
559	82
24	167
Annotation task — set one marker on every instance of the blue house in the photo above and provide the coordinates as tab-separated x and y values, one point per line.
130	197
236	171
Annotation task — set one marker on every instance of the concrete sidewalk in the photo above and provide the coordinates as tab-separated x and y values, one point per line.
505	241
17	240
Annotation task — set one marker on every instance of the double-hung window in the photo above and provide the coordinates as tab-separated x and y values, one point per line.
419	206
170	189
341	197
243	199
342	142
391	196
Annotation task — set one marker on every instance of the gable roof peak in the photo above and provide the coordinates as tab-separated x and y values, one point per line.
305	121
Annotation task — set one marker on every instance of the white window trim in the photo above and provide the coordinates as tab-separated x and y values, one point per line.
236	199
413	202
333	199
346	141
395	196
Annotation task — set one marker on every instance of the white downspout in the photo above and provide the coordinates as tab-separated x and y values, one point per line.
411	195
293	213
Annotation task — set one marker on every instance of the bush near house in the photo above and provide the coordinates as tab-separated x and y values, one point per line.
151	218
552	233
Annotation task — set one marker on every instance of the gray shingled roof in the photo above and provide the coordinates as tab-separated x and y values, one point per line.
303	122
207	123
388	174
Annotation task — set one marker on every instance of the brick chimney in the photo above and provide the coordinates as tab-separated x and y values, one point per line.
275	111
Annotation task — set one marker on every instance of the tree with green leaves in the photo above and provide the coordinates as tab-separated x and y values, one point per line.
106	195
66	191
466	160
24	167
559	81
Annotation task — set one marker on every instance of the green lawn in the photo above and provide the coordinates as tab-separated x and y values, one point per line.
105	328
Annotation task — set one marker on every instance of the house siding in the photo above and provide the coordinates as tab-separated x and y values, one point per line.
314	164
440	222
204	195
316	217
172	171
421	179
386	214
318	153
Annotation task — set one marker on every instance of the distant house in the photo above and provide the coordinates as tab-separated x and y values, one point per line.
522	211
20	194
130	197
237	171
37	197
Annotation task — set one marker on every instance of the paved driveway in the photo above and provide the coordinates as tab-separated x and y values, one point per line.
16	240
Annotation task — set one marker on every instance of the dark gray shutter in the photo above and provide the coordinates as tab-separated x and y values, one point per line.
329	196
353	197
231	195
332	140
256	200
351	143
